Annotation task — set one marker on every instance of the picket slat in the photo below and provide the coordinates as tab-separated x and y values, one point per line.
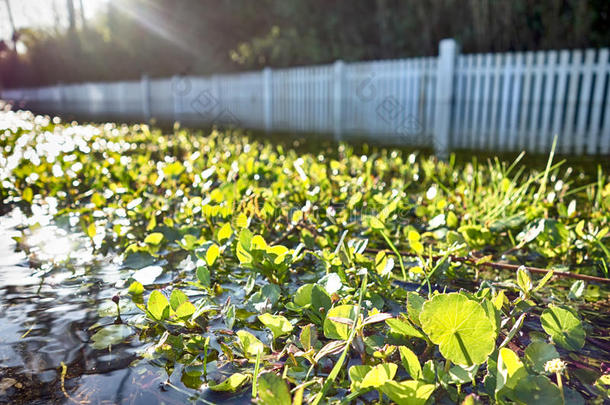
600	77
507	82
534	121
477	102
544	137
583	107
458	132
469	100
495	101
486	75
526	103
560	96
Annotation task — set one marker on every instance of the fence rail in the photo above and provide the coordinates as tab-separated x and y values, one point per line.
498	102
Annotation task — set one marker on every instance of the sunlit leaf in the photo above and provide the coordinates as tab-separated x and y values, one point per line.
408	392
212	254
410	362
379	375
460	327
158	306
338	330
278	324
231	384
154	238
250	343
177	298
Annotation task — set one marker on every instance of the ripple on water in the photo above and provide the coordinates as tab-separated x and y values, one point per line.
46	319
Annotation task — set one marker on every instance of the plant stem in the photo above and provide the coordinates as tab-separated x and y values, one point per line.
256	369
339	364
389	242
560	385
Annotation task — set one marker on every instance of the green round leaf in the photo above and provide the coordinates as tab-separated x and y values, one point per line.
302	297
337	324
460	327
250	344
278	324
537	390
356	375
154	238
564	327
176	299
379	375
272	390
212	254
158	306
537	354
408	392
136	288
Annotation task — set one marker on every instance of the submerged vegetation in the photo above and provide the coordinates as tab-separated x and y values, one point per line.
254	269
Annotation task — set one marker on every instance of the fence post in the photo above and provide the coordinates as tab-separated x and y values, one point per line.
339	73
445	70
145	84
267	99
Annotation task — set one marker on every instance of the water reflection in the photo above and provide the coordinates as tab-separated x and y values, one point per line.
47	316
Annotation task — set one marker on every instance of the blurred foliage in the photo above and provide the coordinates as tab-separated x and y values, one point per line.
161	37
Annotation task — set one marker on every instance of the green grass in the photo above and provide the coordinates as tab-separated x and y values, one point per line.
242	227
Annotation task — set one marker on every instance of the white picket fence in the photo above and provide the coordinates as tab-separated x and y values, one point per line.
495	102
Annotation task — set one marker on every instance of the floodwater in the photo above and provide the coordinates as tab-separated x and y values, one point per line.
48	313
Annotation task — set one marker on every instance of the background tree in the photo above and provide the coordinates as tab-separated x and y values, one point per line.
164	37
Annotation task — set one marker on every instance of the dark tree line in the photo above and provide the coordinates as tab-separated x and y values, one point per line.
165	37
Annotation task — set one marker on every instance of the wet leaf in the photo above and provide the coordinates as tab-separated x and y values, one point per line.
185	310
203	275
110	335
231	384
177	298
136	288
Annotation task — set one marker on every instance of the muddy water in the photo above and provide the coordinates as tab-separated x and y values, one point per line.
48	314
